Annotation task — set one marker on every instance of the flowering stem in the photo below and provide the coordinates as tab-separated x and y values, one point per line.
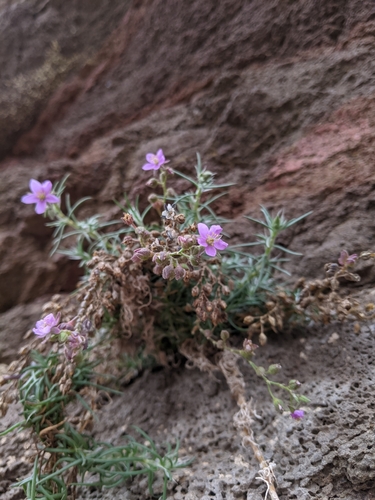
163	181
198	196
58	214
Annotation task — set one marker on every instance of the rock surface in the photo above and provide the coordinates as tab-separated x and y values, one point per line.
276	96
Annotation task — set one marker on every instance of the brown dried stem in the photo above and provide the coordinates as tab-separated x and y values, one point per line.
243	421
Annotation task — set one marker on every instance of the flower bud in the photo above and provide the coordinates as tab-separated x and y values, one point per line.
206	176
152	183
273	369
331	269
194	262
160	257
179	272
294	384
224	335
152	198
278	404
195	291
128	219
142	231
168	272
297	414
141	254
249	346
248	319
64	335
262	339
260	371
157	269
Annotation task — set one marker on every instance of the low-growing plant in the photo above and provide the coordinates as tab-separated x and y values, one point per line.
162	285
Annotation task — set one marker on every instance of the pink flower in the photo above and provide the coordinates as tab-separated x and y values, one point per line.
154	162
41	195
76	343
210	239
347	260
141	254
297	414
47	325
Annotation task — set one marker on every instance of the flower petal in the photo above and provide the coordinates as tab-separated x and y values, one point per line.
210	250
40	333
220	244
50	319
150	166
203	230
150	158
29	198
343	258
215	229
160	156
202	241
352	258
51	198
35	186
297	414
41	206
47	187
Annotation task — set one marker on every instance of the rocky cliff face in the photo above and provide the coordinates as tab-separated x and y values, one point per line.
278	96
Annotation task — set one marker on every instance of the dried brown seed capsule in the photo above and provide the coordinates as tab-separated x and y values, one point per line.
180	218
248	320
128	219
262	339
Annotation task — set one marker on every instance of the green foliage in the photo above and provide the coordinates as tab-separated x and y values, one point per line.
67	456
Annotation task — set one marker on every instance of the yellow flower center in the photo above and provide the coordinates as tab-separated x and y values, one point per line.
41	196
210	240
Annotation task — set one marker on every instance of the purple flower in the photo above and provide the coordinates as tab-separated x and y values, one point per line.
75	343
41	195
347	260
297	414
141	254
154	162
210	239
47	325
